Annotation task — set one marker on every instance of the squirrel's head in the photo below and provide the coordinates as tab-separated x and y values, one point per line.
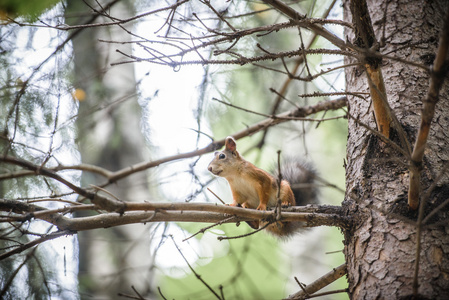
224	162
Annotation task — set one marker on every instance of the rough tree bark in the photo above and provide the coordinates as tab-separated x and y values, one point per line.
381	249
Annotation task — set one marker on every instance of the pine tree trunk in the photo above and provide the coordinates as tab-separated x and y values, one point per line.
381	249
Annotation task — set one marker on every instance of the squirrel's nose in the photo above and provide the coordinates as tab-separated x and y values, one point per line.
209	168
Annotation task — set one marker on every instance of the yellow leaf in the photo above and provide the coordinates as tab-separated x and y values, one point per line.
79	94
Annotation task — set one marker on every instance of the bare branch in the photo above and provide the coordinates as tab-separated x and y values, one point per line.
180	212
119	22
282	92
100	201
35	242
293	14
320	283
380	136
280	118
198	276
437	77
295	114
365	38
241	60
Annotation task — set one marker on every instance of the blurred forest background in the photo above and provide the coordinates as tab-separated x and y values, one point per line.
68	99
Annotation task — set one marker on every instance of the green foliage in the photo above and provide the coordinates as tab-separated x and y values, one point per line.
252	268
28	9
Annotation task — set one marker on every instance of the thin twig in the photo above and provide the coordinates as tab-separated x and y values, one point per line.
194	272
278	194
160	293
220	238
216	196
35	242
202	230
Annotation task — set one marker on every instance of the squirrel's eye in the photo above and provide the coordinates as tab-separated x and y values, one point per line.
221	156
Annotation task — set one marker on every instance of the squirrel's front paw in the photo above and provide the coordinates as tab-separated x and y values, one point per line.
262	207
286	204
235	204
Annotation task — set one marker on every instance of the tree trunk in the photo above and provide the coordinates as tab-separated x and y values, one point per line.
107	136
381	248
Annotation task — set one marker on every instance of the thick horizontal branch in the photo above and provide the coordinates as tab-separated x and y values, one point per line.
312	216
18	212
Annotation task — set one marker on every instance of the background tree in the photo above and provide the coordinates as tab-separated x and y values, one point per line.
109	136
394	215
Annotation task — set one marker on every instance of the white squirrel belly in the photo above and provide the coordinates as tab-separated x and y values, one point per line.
248	193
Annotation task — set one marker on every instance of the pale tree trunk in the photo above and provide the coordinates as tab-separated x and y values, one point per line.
381	247
107	137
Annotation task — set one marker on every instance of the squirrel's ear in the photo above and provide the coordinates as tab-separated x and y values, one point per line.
230	144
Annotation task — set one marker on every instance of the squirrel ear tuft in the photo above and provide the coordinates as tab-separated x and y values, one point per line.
230	144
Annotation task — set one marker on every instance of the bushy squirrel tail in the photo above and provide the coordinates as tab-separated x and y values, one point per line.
301	176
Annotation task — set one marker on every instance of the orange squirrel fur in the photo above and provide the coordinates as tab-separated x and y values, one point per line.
257	189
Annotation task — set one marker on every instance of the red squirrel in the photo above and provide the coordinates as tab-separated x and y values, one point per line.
255	188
